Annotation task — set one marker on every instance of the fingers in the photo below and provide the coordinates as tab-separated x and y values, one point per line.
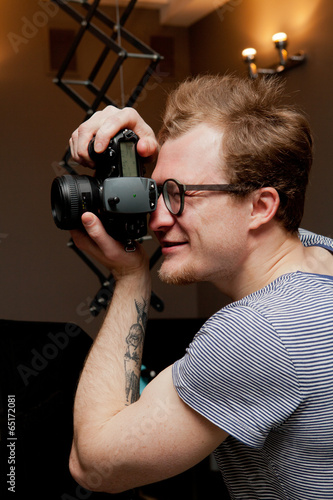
109	252
106	124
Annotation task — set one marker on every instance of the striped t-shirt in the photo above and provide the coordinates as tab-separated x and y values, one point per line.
262	370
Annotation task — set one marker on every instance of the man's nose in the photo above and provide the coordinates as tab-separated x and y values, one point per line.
161	217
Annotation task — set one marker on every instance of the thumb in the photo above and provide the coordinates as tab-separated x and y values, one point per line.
98	243
88	219
96	230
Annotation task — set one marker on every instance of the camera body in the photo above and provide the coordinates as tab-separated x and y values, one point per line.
118	194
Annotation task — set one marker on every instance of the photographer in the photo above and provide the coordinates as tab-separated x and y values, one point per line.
256	382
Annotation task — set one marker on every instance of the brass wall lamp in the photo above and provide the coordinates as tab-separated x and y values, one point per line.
285	61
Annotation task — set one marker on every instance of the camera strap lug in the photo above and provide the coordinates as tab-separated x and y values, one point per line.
130	246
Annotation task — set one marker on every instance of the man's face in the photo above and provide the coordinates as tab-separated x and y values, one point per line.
207	241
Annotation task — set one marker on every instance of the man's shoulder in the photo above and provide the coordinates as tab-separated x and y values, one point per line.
309	238
291	298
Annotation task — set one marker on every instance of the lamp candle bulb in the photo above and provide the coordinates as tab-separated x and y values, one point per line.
249	54
279	37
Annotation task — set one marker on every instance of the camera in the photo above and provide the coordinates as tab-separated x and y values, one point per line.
118	194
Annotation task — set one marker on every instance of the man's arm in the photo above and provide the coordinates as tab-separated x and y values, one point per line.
121	441
118	445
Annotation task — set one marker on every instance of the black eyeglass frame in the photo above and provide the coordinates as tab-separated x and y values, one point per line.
183	188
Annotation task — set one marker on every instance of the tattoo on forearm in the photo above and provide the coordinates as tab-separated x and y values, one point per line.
133	355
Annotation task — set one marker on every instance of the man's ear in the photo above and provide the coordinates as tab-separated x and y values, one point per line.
265	202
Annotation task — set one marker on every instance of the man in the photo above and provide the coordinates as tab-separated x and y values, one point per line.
256	383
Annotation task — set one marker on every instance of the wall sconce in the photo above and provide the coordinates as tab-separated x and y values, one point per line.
249	58
285	61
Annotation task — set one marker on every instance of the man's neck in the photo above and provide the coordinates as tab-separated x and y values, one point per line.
271	252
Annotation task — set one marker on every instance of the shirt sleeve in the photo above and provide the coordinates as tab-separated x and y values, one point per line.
237	373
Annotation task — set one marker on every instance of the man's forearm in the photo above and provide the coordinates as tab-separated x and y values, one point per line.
111	375
133	354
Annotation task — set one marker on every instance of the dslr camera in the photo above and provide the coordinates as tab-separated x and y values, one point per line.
118	194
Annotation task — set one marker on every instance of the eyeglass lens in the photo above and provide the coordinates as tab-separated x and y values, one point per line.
172	196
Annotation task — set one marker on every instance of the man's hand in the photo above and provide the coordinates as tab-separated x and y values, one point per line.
108	251
105	124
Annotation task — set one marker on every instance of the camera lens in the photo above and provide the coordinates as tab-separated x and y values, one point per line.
71	196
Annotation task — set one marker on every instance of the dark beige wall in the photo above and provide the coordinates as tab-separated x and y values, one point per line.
41	279
216	43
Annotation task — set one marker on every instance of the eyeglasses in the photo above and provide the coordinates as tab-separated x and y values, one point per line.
174	192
